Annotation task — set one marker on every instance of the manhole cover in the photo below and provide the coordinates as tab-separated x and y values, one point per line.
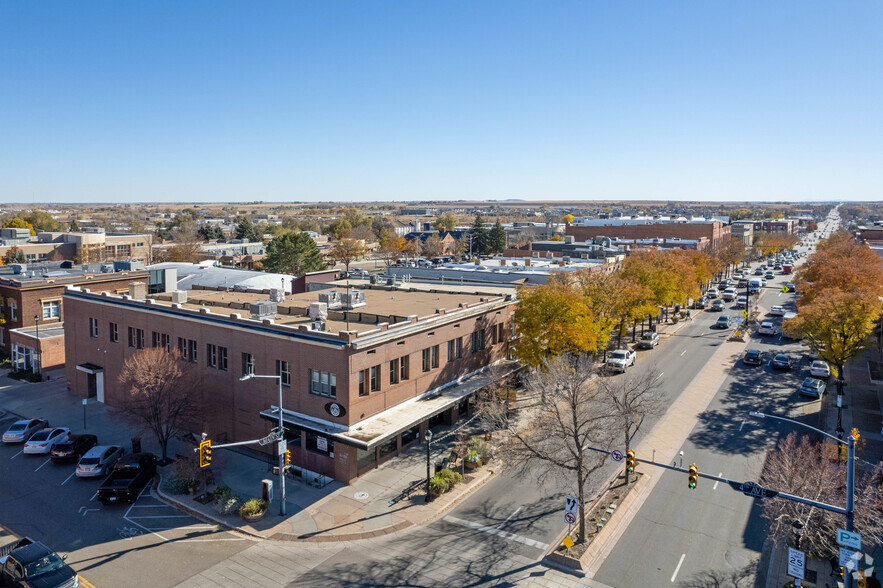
360	495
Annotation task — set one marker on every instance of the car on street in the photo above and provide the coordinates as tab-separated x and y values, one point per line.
31	564
44	440
742	283
790	287
717	304
759	271
729	294
742	301
73	449
820	369
712	293
701	303
766	328
358	274
649	340
777	311
781	362
769	275
620	359
723	322
812	387
98	461
129	477
21	431
752	357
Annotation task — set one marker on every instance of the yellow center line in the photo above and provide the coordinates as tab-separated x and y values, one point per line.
85	582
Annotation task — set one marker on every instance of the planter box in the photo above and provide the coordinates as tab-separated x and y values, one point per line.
254	518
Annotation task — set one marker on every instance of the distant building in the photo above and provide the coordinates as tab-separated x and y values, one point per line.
744	230
417	211
93	246
706	232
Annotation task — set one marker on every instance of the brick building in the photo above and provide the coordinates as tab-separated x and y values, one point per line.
35	296
83	247
363	376
707	233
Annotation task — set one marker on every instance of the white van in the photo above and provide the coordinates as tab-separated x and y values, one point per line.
754	286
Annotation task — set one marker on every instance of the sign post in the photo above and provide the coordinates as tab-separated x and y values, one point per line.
570	506
796	564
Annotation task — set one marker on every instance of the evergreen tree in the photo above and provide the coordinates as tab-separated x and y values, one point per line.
497	238
480	236
245	229
293	253
210	233
75	226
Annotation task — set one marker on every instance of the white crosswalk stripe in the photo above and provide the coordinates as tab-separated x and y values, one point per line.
494	531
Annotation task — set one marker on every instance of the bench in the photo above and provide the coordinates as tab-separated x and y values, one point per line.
406	493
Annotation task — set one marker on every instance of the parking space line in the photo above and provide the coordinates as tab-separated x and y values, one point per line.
126	516
151	506
179	528
68	478
163	517
17	454
48	459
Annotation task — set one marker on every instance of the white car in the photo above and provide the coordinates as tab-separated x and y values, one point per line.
21	431
712	293
620	359
98	461
44	440
820	369
777	311
766	328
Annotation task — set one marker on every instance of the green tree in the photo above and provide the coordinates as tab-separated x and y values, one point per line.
42	221
74	226
19	223
480	236
15	255
293	253
446	221
497	238
245	229
210	233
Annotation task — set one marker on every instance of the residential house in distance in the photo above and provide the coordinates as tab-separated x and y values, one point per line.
364	372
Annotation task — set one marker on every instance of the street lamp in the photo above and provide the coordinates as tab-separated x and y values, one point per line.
281	431
798	531
428	437
37	322
850	462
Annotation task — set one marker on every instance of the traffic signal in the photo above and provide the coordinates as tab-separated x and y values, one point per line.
630	461
287	457
205	453
692	476
862	581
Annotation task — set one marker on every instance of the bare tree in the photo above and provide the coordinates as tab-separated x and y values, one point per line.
799	466
631	398
346	251
187	244
162	394
433	247
568	419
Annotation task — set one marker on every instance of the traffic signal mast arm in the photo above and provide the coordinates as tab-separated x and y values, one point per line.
731	483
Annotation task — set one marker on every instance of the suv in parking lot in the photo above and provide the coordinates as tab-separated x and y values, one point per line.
649	340
766	328
753	357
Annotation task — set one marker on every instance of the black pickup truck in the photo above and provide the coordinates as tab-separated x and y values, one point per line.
130	475
30	564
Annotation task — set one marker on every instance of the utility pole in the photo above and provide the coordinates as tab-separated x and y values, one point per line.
281	431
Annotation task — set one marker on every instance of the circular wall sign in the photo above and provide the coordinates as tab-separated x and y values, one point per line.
335	409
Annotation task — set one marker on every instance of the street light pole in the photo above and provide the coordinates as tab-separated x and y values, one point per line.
281	431
428	437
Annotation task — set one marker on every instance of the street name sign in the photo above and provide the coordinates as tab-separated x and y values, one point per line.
847	539
753	490
272	437
796	563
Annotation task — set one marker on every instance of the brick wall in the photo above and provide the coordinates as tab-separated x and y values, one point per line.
714	231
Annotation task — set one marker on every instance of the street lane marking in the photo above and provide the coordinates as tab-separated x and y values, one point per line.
68	478
716	482
139	517
683	352
678	569
500	526
48	459
17	454
497	532
661	374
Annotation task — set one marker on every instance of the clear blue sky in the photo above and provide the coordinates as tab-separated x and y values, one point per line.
126	101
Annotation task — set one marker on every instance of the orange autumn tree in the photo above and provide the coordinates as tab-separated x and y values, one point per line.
554	319
839	263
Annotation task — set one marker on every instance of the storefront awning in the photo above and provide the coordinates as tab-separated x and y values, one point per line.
90	368
389	423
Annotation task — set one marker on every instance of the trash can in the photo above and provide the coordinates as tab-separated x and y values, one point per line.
136	444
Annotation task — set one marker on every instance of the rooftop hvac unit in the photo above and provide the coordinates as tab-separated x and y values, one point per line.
318	311
277	295
353	299
331	299
317	325
262	310
179	296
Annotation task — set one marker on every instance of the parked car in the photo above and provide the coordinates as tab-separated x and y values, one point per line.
358	274
752	357
781	362
723	322
766	328
620	359
777	311
820	369
701	303
31	564
717	304
812	387
649	340
21	431
129	477
98	461
44	440
73	449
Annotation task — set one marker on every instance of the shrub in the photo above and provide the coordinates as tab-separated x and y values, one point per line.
253	507
451	477
175	485
472	456
438	484
187	469
226	501
480	447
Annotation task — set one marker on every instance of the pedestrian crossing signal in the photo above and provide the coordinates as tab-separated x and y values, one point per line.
205	453
692	476
630	461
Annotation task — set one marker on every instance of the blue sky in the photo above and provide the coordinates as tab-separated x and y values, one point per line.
109	101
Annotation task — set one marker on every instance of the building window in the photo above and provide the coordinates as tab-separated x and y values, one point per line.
191	350
501	333
155	339
222	359
323	384
211	355
284	369
394	371
375	378
51	309
512	329
455	349
93	328
434	353
166	342
404	368
477	341
13	310
247	364
363	380
114	332
426	360
493	335
136	338
182	347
